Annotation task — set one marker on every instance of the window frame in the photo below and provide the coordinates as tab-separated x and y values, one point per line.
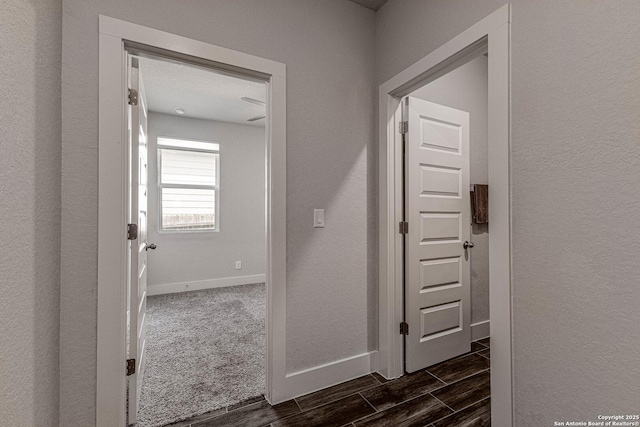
160	185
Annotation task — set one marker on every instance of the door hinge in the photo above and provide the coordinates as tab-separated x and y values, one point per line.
403	227
404	328
131	366
132	231
133	97
404	127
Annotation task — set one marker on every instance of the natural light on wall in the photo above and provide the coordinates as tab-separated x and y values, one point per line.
189	184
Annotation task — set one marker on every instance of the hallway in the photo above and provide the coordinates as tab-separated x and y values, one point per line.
452	393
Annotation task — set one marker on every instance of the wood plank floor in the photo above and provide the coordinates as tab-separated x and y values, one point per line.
454	393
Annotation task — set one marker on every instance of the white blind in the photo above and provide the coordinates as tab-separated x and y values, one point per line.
187	167
185	143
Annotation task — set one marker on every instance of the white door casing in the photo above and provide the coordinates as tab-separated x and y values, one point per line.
492	33
113	213
137	137
437	208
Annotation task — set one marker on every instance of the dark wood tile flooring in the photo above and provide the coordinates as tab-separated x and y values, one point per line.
485	353
454	393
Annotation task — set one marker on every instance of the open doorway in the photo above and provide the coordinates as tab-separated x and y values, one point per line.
119	40
446	289
431	281
197	253
446	237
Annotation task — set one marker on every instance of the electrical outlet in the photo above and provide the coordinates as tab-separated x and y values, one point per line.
318	218
238	265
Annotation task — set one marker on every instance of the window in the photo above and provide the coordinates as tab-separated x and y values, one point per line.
189	188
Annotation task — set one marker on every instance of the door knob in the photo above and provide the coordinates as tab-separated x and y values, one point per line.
148	246
468	245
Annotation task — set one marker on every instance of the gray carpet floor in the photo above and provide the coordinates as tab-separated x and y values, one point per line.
205	350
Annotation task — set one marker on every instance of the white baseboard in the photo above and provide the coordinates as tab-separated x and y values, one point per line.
373	361
327	375
480	330
197	285
330	374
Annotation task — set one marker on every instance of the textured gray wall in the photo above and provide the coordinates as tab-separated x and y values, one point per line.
184	257
575	191
30	43
328	47
466	89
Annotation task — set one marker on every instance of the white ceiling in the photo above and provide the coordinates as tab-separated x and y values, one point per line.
370	4
202	93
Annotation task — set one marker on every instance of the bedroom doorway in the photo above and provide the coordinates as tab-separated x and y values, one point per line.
187	203
197	285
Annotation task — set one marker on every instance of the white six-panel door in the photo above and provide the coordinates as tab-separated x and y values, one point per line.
137	247
437	209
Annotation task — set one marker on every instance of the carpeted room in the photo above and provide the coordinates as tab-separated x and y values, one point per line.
205	351
203	330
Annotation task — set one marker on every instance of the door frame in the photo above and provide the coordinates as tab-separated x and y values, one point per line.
492	35
112	202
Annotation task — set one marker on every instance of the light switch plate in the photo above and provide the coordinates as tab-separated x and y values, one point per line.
318	218
238	265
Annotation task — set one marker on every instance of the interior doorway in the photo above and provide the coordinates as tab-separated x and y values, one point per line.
438	297
446	287
197	254
122	47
